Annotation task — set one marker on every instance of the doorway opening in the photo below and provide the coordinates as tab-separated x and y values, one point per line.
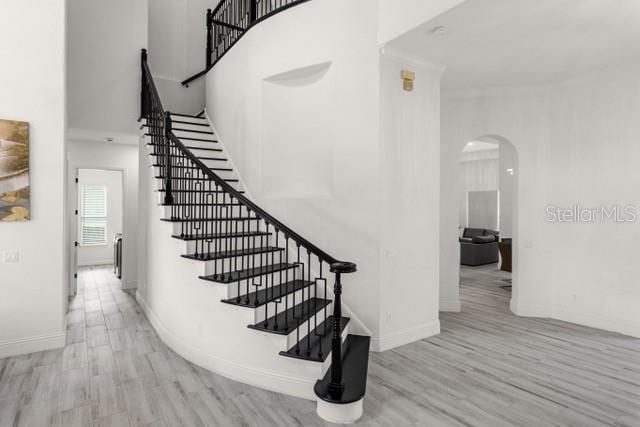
98	225
487	213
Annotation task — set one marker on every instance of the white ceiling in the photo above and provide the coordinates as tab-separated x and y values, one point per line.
516	42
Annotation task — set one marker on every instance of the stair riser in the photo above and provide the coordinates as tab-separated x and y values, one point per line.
194	184
286	302
201	120
224	174
180	197
196	142
191	133
206	211
191	125
219	227
304	327
231	265
226	243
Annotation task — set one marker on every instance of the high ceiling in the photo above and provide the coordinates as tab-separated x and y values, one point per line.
489	43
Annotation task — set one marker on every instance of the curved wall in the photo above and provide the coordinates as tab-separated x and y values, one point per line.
296	103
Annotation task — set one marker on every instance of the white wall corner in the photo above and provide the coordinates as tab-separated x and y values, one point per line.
406	57
405	336
525	309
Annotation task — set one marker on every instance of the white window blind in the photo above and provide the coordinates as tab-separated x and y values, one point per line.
93	215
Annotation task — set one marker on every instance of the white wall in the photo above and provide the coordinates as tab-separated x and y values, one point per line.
105	39
408	161
32	78
339	209
100	155
112	180
576	143
177	40
508	186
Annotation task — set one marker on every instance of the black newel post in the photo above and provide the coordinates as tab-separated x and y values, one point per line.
144	107
253	11
336	386
209	38
168	195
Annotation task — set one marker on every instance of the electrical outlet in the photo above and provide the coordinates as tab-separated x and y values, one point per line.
11	256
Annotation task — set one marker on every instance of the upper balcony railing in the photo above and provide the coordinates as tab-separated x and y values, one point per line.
230	20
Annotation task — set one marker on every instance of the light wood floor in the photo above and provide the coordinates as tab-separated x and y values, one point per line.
487	368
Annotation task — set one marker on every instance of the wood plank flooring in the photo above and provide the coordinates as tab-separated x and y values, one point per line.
486	368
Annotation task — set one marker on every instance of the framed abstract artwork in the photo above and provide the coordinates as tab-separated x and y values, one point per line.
14	171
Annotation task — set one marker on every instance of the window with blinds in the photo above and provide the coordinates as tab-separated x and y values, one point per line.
93	215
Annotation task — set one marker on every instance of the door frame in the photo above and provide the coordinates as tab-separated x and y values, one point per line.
74	218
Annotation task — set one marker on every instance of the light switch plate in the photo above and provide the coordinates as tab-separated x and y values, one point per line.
11	256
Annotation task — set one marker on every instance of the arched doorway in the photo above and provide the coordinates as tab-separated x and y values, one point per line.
482	190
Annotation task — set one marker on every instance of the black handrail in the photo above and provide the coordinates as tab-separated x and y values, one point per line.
230	20
336	265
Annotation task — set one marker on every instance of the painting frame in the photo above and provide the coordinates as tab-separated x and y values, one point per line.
15	191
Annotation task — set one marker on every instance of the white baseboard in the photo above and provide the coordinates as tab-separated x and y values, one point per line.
32	344
293	386
131	284
450	305
98	262
580	317
524	309
405	336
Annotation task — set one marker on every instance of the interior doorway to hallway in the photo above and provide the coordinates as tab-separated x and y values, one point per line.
486	211
97	223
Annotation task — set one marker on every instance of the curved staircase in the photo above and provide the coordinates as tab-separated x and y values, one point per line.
282	281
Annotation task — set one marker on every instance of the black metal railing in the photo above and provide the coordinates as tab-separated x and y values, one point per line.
225	226
230	20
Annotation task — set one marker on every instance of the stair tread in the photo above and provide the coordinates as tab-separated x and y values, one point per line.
310	350
197	191
355	362
190	123
304	311
190	147
175	129
195	179
234	253
234	276
191	167
197	139
201	204
263	296
221	236
240	218
188	115
187	138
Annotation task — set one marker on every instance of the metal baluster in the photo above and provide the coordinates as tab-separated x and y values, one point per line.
286	279
315	303
266	279
168	195
301	305
324	333
275	325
